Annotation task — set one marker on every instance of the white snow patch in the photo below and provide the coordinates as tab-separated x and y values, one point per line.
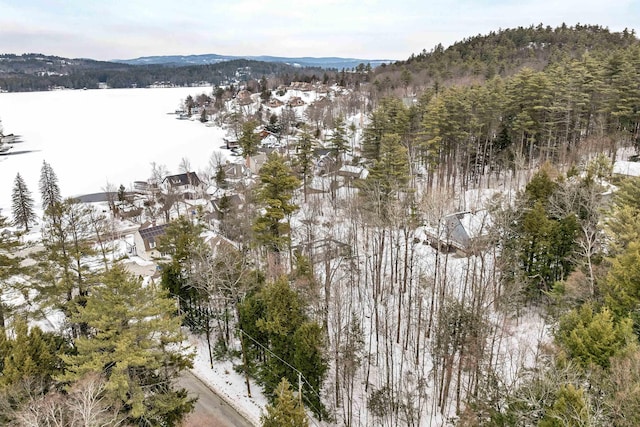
623	167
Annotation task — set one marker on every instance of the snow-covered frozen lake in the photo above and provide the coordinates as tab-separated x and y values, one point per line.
91	137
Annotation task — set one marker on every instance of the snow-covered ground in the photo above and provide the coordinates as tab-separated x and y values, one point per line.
626	168
91	137
227	383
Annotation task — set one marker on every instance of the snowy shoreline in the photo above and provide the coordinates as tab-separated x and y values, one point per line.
95	137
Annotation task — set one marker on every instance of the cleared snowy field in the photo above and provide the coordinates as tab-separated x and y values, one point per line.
91	137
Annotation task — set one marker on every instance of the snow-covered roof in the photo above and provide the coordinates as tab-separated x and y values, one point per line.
356	171
270	140
189	178
459	229
476	224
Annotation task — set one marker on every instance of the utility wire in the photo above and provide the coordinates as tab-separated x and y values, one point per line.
290	366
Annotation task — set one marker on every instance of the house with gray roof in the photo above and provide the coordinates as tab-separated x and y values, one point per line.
188	184
460	231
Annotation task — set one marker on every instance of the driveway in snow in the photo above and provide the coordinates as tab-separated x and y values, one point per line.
211	410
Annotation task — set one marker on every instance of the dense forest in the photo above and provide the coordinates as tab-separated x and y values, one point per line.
502	53
35	72
357	290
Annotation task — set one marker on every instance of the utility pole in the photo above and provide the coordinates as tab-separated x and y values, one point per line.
300	388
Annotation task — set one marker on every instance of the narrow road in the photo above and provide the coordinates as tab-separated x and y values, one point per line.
211	410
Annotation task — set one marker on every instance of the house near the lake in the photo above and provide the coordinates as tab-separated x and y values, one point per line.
145	240
187	184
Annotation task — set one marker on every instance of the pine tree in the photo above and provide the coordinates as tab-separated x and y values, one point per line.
593	338
528	98
569	409
182	241
286	410
189	103
309	359
29	359
624	224
283	315
304	158
9	268
545	233
275	318
249	140
137	343
49	188
339	144
22	204
621	286
373	133
275	193
541	187
32	355
122	194
220	176
67	235
388	176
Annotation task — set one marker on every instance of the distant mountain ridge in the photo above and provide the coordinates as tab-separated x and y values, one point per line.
35	71
212	58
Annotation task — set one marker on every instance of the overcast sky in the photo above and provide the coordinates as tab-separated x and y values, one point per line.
365	29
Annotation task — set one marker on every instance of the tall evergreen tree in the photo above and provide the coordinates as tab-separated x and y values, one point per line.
31	355
276	192
545	235
22	204
249	140
9	268
275	319
304	158
49	188
391	117
189	103
339	144
388	176
137	344
182	241
621	287
309	358
67	235
624	224
283	315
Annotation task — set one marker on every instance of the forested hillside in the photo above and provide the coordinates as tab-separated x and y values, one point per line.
503	53
30	72
578	96
423	245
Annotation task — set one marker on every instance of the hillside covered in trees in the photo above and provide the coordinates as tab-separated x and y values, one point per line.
31	72
503	53
423	245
